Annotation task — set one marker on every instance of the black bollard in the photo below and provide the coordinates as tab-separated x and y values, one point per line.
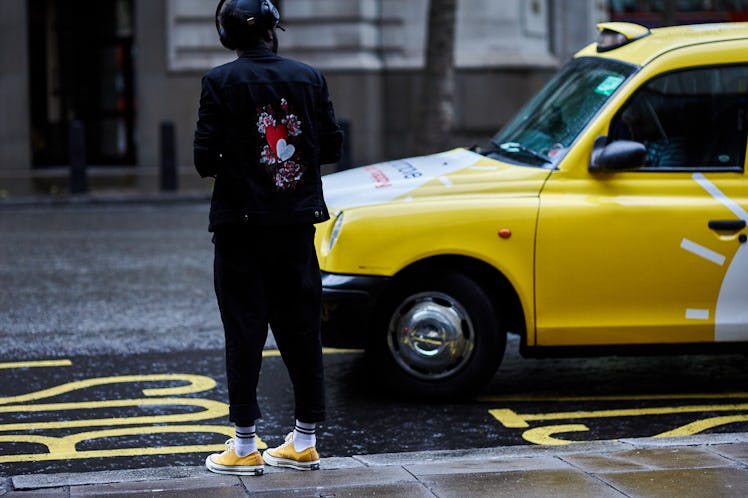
77	149
346	160
168	157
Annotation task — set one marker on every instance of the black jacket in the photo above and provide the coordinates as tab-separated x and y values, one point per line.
265	125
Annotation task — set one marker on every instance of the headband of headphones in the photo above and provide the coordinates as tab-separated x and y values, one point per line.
268	14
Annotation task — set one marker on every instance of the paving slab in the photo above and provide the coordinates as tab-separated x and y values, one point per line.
737	451
649	459
538	484
683	483
213	486
399	490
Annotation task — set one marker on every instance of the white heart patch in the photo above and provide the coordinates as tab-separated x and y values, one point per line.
285	150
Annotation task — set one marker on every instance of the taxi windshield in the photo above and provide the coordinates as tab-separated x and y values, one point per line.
548	125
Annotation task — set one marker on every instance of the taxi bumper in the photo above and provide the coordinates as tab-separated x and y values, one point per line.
348	303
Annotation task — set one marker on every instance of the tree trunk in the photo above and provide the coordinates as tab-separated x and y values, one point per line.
436	107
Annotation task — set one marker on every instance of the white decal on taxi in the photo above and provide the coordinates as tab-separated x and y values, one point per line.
384	182
731	316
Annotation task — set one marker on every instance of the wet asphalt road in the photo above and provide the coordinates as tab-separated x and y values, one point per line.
126	290
106	279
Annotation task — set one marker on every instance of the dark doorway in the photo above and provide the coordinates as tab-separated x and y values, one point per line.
81	63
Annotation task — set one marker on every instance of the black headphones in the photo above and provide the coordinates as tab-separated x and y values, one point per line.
269	18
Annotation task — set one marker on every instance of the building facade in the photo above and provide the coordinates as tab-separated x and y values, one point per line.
122	68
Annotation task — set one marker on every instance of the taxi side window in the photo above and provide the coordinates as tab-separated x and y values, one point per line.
694	119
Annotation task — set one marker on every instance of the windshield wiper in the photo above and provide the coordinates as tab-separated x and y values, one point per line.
515	147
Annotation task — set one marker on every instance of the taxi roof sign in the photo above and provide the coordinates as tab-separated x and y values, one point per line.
617	34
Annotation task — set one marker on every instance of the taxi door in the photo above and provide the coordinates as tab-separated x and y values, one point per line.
655	255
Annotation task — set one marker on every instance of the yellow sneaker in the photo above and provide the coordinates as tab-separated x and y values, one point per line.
286	455
229	462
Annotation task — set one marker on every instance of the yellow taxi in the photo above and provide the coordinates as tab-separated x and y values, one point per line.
609	216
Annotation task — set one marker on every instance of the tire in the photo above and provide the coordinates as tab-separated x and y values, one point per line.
438	337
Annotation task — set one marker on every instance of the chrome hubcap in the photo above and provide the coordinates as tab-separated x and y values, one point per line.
430	336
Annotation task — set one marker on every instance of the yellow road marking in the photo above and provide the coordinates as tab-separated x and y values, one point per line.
36	364
702	425
543	435
511	419
64	448
266	353
195	383
612	397
212	409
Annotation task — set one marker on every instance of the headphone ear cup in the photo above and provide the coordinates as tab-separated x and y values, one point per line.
269	14
222	36
225	41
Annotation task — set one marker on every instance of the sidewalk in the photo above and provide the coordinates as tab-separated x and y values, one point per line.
698	466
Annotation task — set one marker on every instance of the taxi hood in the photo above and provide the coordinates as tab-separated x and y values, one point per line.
444	175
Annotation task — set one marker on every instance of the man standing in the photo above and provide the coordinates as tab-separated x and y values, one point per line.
265	125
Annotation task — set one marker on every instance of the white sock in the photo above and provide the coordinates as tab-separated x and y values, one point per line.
244	442
304	436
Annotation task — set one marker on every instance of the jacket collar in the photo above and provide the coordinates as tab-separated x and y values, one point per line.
257	53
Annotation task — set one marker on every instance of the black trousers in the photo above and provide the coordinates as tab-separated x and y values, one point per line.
270	275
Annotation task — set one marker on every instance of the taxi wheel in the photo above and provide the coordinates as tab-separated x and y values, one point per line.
442	337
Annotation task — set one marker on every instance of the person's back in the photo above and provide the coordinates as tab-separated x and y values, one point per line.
271	121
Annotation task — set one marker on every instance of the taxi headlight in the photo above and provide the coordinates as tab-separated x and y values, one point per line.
335	231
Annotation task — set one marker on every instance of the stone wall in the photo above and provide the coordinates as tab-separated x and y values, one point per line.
15	134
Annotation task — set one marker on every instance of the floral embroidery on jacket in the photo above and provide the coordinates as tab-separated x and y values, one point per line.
279	154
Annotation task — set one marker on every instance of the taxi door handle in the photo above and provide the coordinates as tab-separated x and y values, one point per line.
727	225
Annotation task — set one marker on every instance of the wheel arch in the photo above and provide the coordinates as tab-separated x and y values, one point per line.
507	305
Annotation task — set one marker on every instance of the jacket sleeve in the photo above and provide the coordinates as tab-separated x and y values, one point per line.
331	136
208	134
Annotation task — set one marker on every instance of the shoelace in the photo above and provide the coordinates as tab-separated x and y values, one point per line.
288	442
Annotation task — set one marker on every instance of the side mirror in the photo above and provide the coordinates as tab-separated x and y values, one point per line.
620	155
